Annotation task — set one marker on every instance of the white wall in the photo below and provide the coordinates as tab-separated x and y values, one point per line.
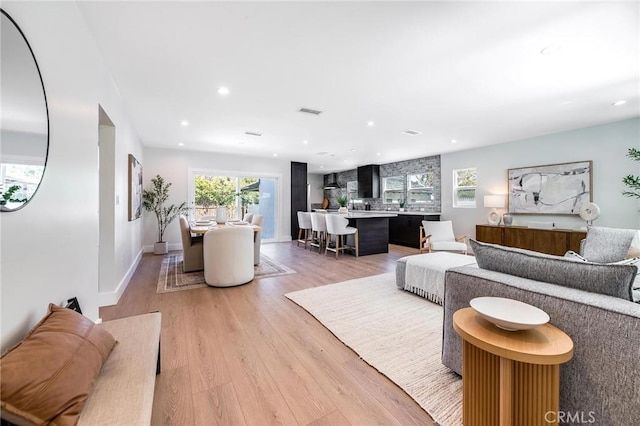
174	165
49	249
606	145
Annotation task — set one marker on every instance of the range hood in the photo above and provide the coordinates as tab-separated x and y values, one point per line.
332	181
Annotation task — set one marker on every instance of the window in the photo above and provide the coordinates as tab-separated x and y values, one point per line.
240	194
464	187
392	189
352	191
420	188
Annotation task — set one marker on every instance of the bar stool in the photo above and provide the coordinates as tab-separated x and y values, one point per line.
304	227
337	226
318	231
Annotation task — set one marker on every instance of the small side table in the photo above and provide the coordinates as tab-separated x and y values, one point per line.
510	378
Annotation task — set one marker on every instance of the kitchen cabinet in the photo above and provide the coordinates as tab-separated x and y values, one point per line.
369	181
298	194
404	229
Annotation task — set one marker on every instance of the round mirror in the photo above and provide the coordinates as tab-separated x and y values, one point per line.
24	120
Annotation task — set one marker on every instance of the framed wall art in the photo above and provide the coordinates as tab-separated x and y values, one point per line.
135	188
552	189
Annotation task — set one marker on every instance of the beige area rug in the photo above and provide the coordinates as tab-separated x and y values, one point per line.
397	333
172	278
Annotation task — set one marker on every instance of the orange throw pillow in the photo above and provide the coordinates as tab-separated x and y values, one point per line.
48	376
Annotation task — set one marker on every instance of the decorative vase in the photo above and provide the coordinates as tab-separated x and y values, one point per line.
160	248
221	214
343	210
507	219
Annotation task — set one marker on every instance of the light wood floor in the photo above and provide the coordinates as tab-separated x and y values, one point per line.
248	355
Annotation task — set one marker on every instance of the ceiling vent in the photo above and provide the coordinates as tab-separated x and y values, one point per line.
310	111
253	133
412	132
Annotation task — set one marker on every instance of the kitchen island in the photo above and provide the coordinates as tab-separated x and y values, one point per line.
373	231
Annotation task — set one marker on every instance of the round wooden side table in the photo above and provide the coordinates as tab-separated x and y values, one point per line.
510	378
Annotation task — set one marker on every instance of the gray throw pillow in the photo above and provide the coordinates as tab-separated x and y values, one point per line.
612	280
606	245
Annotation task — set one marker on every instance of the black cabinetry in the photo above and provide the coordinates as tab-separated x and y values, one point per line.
298	194
369	181
404	230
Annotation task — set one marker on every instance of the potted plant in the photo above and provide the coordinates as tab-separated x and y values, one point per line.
342	200
154	200
401	204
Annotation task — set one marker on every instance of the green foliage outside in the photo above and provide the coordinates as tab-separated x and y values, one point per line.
212	192
154	200
633	182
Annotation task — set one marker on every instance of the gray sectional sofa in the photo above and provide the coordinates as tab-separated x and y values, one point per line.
602	381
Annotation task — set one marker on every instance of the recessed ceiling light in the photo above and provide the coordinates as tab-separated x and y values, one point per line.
370	123
184	123
454	141
305	141
551	49
275	154
353	150
322	167
378	154
223	90
618	103
180	144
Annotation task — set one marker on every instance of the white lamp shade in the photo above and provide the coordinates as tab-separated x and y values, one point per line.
494	201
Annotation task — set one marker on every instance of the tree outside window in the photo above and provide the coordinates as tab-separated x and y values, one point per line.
420	188
465	183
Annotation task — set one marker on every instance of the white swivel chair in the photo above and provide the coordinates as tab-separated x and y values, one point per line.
304	228
191	248
318	231
257	220
438	236
337	225
248	217
228	256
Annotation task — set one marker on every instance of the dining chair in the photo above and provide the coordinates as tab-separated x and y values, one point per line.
228	258
257	220
337	225
438	236
192	259
318	231
304	228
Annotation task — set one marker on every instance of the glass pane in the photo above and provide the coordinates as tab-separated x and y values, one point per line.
466	177
261	198
18	182
392	197
421	196
214	191
393	183
352	190
424	180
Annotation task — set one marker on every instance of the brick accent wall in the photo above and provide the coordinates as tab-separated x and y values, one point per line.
399	168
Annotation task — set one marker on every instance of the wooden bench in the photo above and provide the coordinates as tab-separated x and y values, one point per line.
123	393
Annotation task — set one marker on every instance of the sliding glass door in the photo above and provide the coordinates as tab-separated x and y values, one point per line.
239	194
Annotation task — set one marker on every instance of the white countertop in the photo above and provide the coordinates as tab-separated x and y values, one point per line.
379	213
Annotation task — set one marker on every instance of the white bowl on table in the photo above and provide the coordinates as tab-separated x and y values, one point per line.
509	314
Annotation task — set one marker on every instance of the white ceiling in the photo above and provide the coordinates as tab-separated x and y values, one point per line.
472	72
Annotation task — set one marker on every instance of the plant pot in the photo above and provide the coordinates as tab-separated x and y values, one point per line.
160	248
221	215
401	209
343	210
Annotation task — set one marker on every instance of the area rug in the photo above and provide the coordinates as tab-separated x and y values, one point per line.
397	333
172	278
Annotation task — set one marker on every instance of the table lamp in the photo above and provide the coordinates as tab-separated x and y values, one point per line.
494	202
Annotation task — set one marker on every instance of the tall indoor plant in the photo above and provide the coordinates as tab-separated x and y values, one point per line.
154	200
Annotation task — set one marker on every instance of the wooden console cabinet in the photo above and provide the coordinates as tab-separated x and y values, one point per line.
550	241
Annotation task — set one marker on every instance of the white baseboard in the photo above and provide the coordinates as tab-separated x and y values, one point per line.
112	297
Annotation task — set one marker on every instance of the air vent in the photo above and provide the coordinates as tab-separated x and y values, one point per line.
253	133
412	132
310	111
